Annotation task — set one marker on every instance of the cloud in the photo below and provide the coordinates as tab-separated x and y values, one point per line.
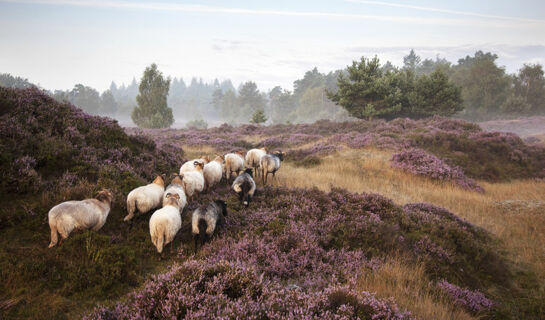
192	8
455	12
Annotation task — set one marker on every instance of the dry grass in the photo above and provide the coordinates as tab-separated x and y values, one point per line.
368	170
409	287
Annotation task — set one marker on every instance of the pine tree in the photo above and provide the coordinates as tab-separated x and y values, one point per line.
258	117
152	110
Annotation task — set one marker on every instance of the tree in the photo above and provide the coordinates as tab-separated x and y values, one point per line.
258	117
86	98
152	110
411	61
366	92
249	100
435	95
484	84
529	85
108	105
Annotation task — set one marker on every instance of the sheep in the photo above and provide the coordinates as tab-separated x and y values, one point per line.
176	186
190	165
193	181
205	220
145	198
79	215
213	172
253	158
234	162
166	222
270	163
244	186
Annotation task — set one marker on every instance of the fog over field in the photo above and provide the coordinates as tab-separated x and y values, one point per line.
330	159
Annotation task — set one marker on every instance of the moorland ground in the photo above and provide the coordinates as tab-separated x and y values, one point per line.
327	163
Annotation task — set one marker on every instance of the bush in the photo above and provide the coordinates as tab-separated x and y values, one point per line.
197	124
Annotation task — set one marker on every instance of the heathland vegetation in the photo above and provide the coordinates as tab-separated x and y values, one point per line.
392	219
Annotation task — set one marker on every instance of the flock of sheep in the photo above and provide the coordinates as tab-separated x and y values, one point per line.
196	176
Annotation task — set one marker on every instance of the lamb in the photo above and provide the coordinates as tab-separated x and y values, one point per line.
213	172
270	163
244	186
205	220
253	157
176	187
166	222
79	215
193	181
234	162
190	165
145	198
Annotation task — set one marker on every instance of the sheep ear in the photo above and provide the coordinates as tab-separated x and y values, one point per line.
177	196
169	195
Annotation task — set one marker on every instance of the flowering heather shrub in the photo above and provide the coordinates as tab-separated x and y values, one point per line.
298	253
42	139
421	163
473	301
310	156
222	290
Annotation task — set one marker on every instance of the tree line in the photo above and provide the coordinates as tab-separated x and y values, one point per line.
476	88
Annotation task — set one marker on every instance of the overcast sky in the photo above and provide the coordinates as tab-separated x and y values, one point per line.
58	43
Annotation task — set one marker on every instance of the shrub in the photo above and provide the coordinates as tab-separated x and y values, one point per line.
421	163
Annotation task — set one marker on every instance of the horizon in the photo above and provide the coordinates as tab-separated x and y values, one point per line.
59	43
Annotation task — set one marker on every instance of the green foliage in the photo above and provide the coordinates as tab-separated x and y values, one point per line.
367	92
484	84
435	95
152	110
528	91
197	124
9	81
258	117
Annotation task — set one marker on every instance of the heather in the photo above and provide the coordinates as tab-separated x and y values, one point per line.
472	300
300	245
42	139
491	156
421	163
52	152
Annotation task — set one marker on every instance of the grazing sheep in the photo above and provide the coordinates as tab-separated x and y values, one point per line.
213	172
190	165
270	163
79	215
253	158
176	186
244	186
166	222
193	181
234	162
205	220
145	198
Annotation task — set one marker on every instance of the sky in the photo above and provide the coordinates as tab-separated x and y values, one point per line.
59	43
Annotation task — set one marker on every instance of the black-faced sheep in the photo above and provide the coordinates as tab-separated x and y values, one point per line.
270	163
244	186
205	220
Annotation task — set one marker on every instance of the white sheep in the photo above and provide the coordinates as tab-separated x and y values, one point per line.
165	223
79	215
190	165
145	198
270	163
244	186
193	181
205	221
253	158
176	186
234	162
213	172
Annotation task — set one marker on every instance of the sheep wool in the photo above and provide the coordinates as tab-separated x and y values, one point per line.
79	215
145	198
213	172
176	187
165	223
